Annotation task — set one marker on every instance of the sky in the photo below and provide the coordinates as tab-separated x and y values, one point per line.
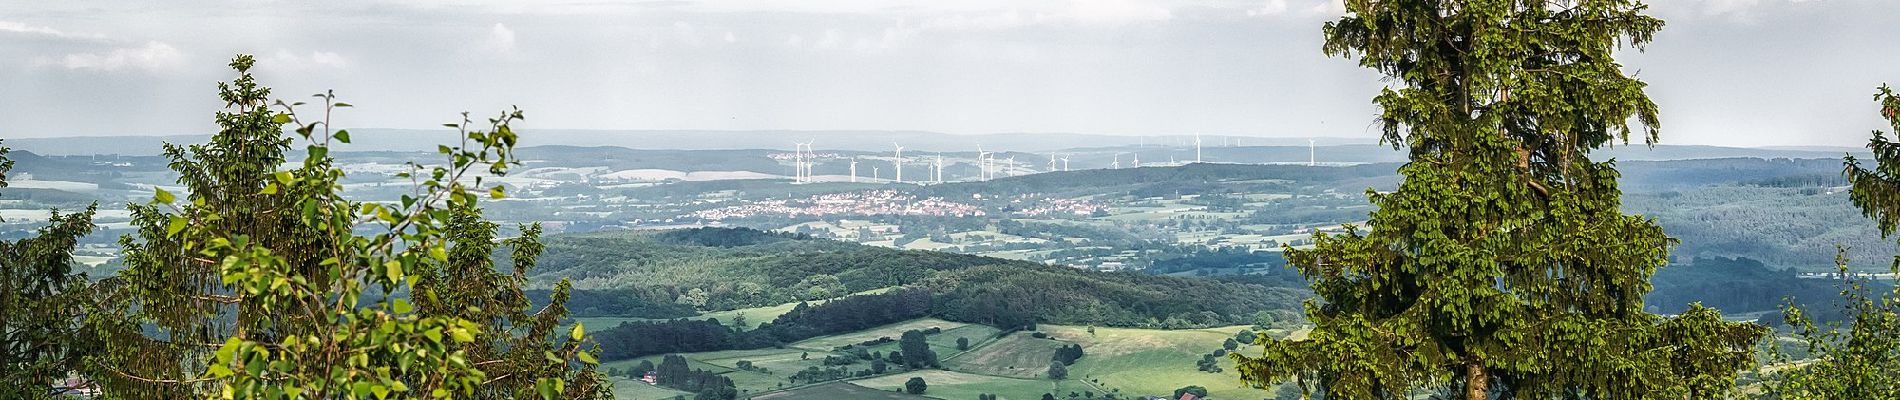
1725	72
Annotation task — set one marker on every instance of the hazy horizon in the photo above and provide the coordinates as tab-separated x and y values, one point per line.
1744	73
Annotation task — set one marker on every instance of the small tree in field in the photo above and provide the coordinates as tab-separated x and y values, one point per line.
915	385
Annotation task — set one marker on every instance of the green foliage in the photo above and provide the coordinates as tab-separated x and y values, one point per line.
1855	361
1196	390
915	385
252	284
41	300
1502	264
1058	371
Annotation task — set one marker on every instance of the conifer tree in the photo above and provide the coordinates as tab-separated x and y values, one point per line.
264	282
40	303
1502	264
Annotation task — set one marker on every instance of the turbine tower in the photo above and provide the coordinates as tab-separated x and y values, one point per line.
899	162
1312	153
982	164
1011	169
1137	161
1052	162
798	162
1118	162
1065	163
854	169
1197	147
937	175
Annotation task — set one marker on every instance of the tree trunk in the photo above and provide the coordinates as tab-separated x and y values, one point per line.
1477	383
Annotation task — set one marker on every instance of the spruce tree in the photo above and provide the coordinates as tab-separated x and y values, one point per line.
1502	264
41	301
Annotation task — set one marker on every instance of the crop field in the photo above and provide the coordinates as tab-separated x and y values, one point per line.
1148	361
1018	355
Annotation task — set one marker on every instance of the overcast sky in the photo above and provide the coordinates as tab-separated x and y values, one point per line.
1726	72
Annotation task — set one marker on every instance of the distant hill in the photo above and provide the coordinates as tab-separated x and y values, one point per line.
729	268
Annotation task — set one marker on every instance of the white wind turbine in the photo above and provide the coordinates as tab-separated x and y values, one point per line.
1312	153
1197	147
982	164
798	162
854	169
1137	161
1052	162
1118	162
1012	166
899	162
937	175
1065	163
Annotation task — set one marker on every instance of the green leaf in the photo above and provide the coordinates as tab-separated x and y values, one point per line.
401	306
588	358
342	105
496	192
579	331
280	118
177	224
269	189
162	196
393	270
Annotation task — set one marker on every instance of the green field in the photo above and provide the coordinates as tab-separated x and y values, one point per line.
1148	361
952	385
628	389
836	390
1132	362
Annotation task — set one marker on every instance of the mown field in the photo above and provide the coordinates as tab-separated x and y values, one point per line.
1131	362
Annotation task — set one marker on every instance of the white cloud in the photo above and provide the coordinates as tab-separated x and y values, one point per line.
1329	8
1116	11
501	40
313	59
1271	7
24	29
153	56
730	38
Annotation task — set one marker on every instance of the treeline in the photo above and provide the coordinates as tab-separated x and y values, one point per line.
1739	285
732	268
614	303
1021	294
805	321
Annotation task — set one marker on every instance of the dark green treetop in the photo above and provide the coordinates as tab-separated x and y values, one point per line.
265	282
41	299
1502	264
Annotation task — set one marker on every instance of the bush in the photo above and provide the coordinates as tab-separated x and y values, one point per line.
915	385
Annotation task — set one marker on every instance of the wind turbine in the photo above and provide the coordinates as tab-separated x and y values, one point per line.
1011	169
982	164
1118	162
854	169
937	175
1065	163
1312	153
1137	160
899	162
798	162
1052	162
1197	147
